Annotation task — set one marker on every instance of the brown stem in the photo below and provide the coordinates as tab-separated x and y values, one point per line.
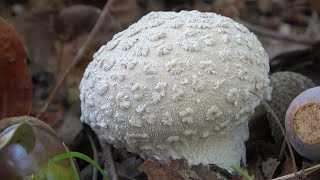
78	56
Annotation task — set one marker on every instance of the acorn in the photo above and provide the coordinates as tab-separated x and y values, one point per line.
286	86
302	124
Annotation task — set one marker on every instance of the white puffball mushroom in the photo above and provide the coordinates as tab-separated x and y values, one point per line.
177	85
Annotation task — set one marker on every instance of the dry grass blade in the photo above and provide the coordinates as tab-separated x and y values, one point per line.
78	56
269	109
95	156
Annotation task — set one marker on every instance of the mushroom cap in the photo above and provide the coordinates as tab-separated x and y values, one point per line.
172	80
286	86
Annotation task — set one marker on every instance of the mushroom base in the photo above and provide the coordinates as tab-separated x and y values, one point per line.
224	149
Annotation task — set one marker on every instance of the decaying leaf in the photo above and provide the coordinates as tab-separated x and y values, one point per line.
156	171
179	170
15	82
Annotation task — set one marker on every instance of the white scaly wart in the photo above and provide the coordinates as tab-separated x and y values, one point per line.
177	85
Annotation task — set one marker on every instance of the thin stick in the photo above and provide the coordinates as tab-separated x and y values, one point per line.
108	160
282	150
275	35
270	110
95	156
78	56
302	172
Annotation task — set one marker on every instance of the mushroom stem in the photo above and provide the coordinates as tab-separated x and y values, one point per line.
223	149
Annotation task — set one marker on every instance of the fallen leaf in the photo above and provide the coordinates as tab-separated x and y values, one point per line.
269	167
156	171
179	169
15	82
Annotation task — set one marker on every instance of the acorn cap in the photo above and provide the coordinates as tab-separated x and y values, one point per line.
286	86
302	124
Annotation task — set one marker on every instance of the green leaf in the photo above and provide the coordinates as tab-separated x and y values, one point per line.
80	156
241	173
51	172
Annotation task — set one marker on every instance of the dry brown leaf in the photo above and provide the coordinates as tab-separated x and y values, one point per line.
15	82
178	169
156	171
269	167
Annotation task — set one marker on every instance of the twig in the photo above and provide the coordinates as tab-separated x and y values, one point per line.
302	172
95	156
108	160
270	110
275	35
282	150
78	56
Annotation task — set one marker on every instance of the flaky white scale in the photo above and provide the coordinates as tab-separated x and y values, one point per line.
177	85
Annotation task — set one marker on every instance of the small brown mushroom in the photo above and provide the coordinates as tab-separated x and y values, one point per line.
302	124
